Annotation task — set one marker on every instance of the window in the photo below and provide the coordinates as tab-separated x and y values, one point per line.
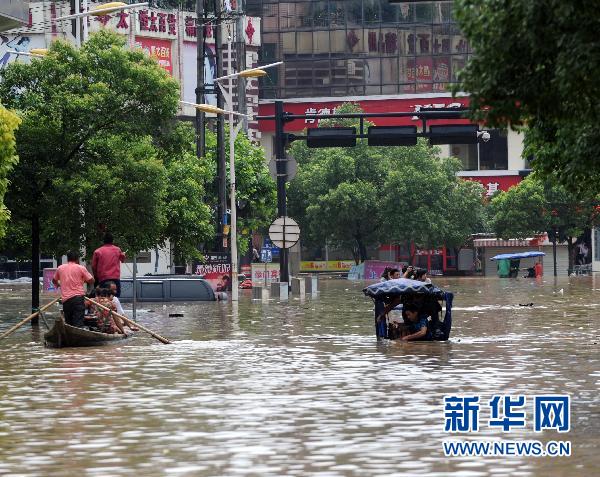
387	49
467	153
597	244
493	155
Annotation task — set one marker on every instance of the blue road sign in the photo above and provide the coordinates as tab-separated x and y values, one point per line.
268	244
265	255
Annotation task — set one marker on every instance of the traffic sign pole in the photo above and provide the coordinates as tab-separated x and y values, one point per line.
281	175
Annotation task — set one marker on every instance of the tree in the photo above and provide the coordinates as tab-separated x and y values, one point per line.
519	212
362	196
9	122
426	203
187	209
549	86
256	192
80	109
336	195
536	206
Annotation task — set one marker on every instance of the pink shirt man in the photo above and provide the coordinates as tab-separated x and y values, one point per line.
106	262
71	276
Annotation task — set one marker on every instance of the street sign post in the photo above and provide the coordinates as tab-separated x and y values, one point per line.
284	232
266	257
290	166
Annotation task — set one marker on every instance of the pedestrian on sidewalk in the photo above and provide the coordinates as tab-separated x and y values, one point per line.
106	264
71	278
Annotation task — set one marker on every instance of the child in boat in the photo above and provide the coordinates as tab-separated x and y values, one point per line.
416	324
105	321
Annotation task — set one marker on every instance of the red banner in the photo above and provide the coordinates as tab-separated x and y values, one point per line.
493	184
404	105
158	49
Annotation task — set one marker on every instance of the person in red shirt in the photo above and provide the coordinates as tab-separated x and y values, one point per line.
106	263
71	277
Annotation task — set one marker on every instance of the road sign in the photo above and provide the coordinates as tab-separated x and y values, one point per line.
268	244
284	232
292	168
266	255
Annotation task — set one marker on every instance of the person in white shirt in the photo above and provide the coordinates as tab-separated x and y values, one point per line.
113	288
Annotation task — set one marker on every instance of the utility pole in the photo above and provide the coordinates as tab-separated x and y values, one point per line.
200	134
221	163
281	164
240	60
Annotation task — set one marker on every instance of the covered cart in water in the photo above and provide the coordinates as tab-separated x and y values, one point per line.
387	295
509	264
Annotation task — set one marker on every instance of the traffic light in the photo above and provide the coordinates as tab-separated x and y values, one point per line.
331	137
450	134
392	136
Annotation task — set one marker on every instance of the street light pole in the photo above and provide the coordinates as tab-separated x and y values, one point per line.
200	136
221	161
233	204
234	130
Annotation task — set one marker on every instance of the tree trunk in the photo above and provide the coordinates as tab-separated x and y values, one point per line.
356	255
35	267
362	250
570	250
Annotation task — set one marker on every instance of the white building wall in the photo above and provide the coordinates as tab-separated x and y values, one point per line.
596	249
515	151
157	261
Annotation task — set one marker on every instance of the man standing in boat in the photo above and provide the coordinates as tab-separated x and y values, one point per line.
71	278
106	263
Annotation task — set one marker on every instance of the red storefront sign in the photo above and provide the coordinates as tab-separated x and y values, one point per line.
158	49
493	184
402	105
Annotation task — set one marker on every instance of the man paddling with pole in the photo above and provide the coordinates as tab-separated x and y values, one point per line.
106	263
71	278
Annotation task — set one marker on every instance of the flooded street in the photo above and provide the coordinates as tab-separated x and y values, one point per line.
301	388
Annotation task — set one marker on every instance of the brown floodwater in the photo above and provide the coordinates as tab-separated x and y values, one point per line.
300	388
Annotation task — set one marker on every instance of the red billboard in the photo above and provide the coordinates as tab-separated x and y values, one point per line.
158	49
493	184
400	105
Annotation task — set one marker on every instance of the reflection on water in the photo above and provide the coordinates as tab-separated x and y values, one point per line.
298	388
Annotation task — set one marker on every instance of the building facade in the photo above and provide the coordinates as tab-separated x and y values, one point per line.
13	14
387	57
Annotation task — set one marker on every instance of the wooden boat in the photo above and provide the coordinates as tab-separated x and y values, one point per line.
63	335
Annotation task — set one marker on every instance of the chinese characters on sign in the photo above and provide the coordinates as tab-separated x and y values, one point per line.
160	50
550	412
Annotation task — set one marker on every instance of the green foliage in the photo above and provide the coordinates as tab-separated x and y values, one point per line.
519	212
188	214
536	63
536	206
362	196
9	122
256	192
426	203
99	152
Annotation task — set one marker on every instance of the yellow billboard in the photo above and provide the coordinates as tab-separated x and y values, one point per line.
326	266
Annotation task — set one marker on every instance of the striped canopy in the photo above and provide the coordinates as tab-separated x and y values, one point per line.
513	256
402	286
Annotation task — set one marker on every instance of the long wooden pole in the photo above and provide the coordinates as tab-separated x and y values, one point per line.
130	322
30	317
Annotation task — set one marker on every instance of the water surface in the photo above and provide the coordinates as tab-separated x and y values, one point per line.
299	388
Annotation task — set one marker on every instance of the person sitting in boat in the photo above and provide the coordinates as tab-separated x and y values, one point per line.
416	324
105	320
408	272
421	275
112	287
